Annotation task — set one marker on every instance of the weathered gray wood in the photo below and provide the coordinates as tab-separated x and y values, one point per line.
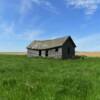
67	50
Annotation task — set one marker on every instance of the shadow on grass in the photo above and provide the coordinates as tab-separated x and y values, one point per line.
80	57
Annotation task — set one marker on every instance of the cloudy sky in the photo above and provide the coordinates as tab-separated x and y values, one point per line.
22	21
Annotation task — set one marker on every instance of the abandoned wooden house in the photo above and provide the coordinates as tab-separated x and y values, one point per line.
57	48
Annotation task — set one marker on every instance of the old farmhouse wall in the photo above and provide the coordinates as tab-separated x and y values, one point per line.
32	53
68	50
52	53
55	53
57	48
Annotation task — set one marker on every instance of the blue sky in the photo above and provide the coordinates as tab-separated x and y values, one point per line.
22	21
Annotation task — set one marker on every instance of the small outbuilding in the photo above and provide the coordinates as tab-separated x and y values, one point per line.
56	48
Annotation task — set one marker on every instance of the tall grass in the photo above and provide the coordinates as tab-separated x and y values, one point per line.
23	78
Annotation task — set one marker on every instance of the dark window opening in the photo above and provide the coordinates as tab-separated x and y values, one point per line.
46	54
39	52
56	50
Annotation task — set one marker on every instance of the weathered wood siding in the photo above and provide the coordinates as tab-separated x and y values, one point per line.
32	53
52	53
65	51
43	53
55	54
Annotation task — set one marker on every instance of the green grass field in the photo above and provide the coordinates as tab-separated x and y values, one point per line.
23	78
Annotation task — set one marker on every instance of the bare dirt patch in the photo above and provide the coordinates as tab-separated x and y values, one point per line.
89	54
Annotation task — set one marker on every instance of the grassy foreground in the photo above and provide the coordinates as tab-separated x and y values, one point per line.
23	78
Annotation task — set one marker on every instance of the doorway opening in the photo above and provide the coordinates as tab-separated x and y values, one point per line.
39	52
46	53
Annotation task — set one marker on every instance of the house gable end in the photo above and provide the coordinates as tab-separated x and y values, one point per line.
70	41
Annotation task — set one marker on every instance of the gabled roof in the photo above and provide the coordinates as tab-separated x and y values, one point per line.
47	44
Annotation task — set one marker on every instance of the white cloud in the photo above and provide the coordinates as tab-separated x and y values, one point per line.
29	35
89	43
90	6
37	1
27	5
8	32
46	3
13	41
